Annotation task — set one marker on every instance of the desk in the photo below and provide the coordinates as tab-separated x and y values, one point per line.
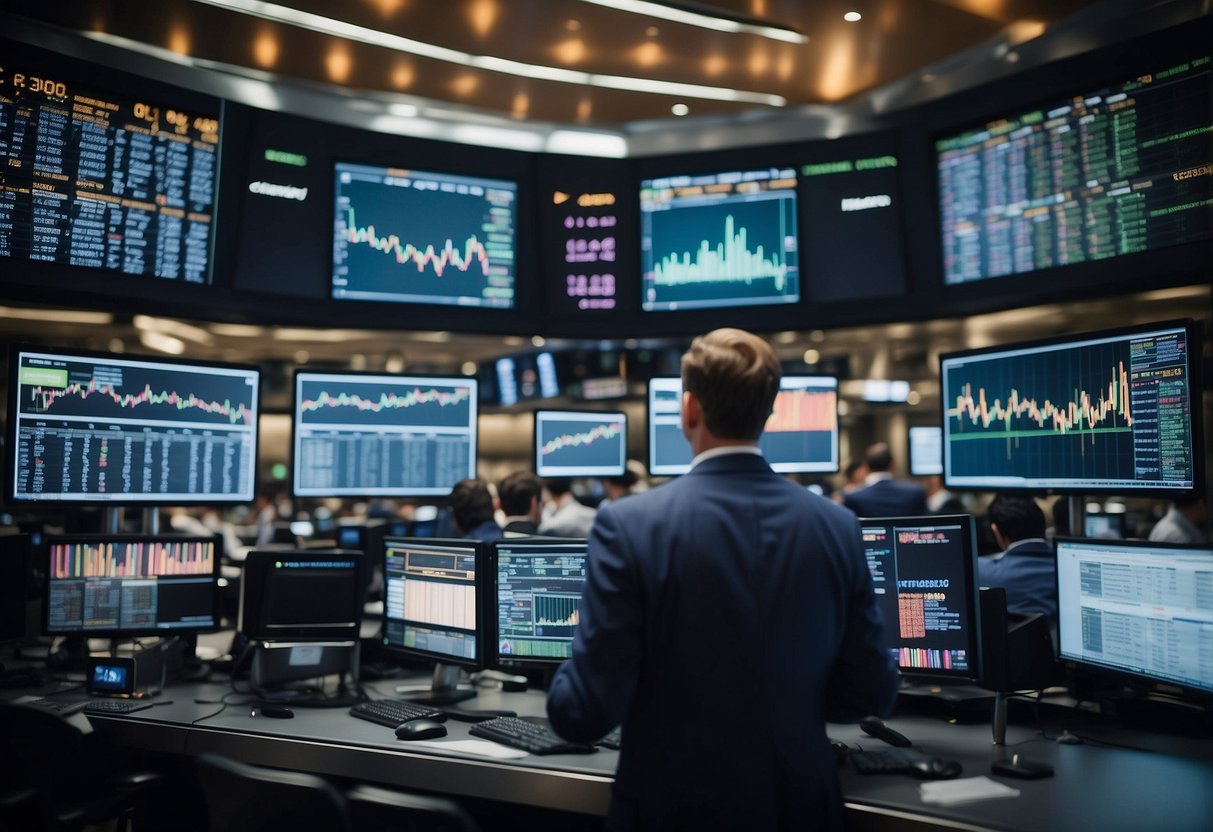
1095	787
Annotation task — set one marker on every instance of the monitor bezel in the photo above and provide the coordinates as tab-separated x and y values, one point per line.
586	471
1192	330
972	598
253	583
113	633
11	437
451	380
481	551
512	662
1116	672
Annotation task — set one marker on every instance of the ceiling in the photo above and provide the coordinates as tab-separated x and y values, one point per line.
470	53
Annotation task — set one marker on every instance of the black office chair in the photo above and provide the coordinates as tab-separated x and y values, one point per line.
244	798
373	809
54	778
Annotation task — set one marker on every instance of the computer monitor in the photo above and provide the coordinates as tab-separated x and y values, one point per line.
376	435
536	597
924	573
122	586
801	435
1110	412
423	237
577	443
435	597
309	595
120	430
926	451
723	239
1137	610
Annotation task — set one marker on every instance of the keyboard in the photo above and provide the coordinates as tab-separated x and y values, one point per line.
535	737
395	712
115	706
904	761
612	739
62	707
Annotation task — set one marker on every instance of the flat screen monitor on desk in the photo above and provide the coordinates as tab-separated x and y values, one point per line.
364	435
924	573
434	608
536	598
801	435
120	429
1136	610
122	586
1109	412
580	443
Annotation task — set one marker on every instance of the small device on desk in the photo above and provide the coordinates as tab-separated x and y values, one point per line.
420	729
124	675
1022	768
875	727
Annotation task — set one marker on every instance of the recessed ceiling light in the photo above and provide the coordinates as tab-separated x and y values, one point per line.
852	17
680	109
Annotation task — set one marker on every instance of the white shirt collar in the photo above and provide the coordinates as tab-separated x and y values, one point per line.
724	450
877	476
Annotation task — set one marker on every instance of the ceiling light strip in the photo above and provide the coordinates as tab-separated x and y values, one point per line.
349	31
705	21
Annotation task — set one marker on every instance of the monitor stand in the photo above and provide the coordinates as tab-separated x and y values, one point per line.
443	690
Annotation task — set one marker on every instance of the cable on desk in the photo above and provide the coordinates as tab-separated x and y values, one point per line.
223	703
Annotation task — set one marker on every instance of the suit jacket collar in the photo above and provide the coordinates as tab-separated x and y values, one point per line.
731	464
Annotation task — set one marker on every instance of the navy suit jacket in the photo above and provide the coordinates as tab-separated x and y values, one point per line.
726	615
1028	572
887	498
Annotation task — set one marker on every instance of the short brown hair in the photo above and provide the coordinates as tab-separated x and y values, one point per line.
516	492
735	376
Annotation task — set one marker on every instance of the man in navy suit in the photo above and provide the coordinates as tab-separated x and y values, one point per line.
1027	566
881	495
725	617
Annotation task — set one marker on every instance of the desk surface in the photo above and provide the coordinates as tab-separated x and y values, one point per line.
1163	782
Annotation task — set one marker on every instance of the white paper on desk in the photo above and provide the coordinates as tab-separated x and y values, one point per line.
482	748
952	792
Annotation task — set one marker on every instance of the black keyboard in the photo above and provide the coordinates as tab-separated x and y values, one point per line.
612	739
115	706
62	707
904	761
535	737
395	712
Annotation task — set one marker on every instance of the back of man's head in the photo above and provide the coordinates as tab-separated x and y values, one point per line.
1017	517
735	376
558	486
517	491
471	504
879	457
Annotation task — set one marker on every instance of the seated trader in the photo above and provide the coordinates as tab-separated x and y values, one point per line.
1027	566
569	518
472	509
881	495
520	496
1186	521
726	616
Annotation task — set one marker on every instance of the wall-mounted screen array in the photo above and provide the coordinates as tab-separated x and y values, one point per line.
102	585
433	597
1143	610
923	572
572	443
124	181
418	237
926	451
359	434
1110	412
537	598
719	240
1113	171
93	428
801	435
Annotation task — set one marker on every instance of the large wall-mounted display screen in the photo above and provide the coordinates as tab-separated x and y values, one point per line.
719	240
94	428
416	237
117	179
1101	173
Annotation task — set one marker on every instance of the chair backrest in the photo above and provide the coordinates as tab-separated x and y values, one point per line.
244	798
373	809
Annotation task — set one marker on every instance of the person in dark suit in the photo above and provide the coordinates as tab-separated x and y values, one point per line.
1027	566
520	495
881	495
472	507
725	617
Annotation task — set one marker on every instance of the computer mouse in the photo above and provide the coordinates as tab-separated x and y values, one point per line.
420	729
277	711
936	768
1067	738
